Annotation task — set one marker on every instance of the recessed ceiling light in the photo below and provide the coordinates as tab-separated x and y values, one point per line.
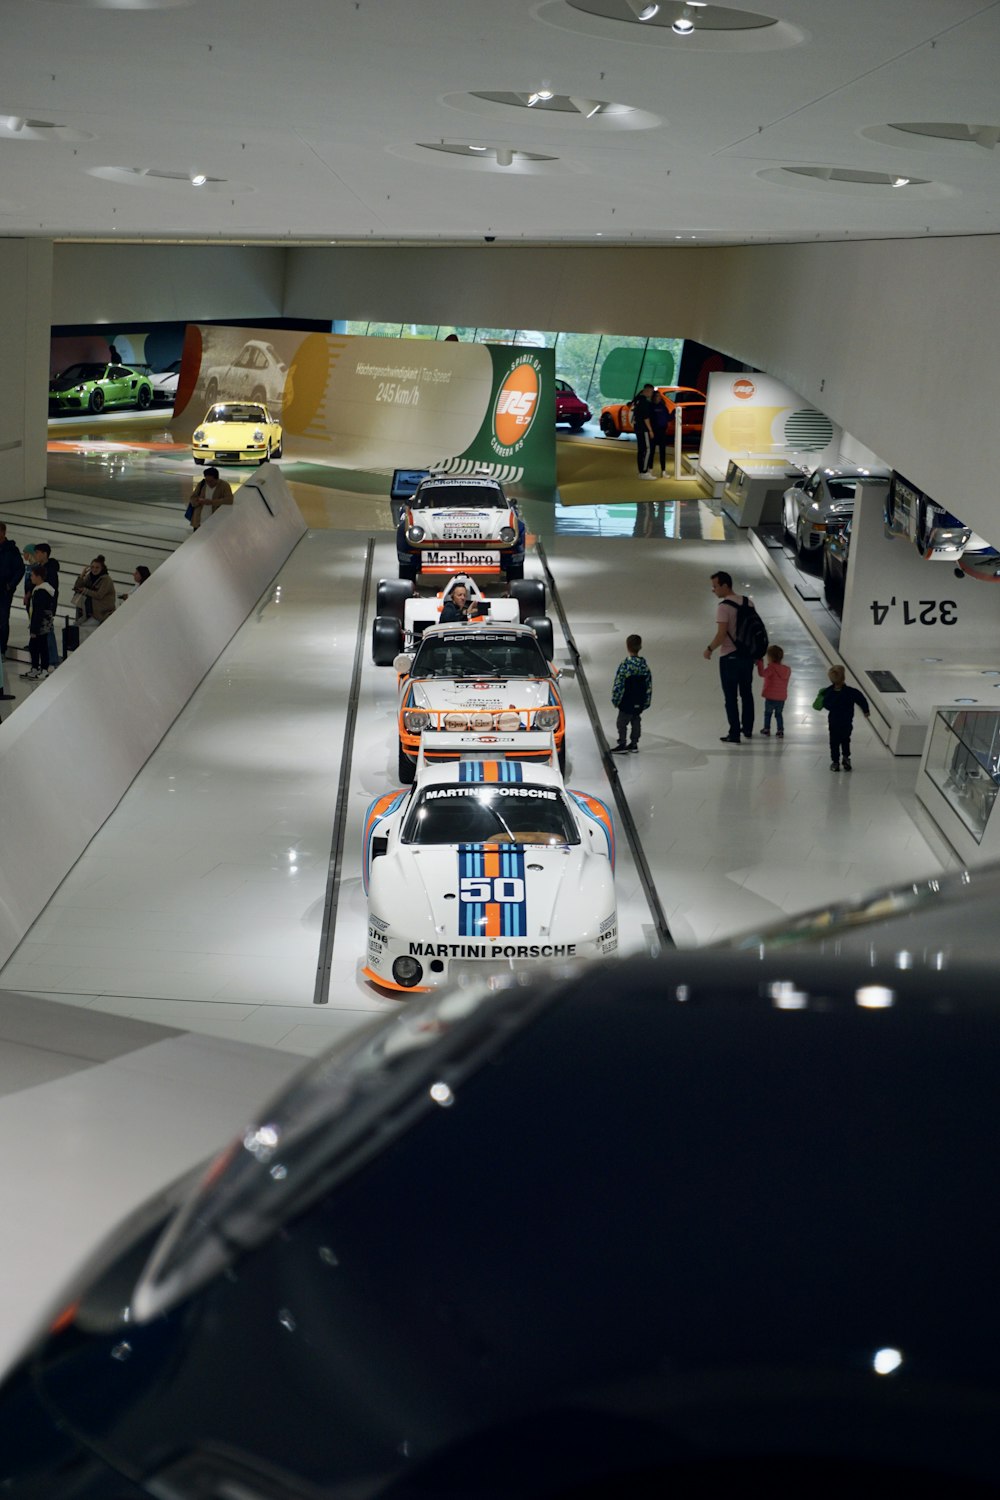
683	26
643	10
900	182
199	179
477	148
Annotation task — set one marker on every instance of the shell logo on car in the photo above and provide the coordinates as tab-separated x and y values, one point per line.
516	406
743	389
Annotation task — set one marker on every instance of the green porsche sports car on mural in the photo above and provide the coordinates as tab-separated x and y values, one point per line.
92	387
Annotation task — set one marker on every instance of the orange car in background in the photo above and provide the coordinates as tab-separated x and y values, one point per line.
617	418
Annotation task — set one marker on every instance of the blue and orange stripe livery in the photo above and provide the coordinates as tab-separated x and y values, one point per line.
380	809
594	808
501	867
490	770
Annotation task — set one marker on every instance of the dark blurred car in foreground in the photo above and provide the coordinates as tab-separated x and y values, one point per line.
715	1223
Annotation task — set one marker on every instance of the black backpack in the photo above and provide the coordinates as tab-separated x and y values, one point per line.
749	634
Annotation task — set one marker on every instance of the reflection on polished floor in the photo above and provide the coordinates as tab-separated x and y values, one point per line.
199	905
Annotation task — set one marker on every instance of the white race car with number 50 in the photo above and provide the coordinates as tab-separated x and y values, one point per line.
482	866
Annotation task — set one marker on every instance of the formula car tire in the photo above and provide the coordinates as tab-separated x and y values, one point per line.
542	626
387	641
390	598
407	768
530	596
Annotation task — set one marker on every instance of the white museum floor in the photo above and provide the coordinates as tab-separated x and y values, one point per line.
199	905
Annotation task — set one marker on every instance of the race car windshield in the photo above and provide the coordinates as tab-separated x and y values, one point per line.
479	656
232	412
510	813
846	489
77	373
463	496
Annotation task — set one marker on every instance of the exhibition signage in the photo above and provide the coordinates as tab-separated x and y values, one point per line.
383	404
758	421
899	605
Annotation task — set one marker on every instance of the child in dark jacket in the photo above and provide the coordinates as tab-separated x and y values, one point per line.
775	675
41	610
631	694
838	700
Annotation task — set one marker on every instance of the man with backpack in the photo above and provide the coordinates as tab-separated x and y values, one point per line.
741	640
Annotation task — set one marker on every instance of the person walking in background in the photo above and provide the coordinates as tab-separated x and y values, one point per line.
659	422
631	694
94	595
208	495
642	411
735	669
839	701
775	675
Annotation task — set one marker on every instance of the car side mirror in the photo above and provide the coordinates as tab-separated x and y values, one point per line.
380	845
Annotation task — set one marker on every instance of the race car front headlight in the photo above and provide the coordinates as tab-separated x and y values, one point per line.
547	718
456	723
199	436
508	722
406	971
416	720
507	535
414	534
258	436
481	722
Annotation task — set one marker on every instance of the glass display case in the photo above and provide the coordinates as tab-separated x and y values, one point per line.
963	762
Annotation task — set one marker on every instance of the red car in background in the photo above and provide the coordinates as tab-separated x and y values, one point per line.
569	407
616	419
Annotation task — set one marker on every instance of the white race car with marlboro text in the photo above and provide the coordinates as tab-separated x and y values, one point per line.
402	615
486	683
453	522
481	867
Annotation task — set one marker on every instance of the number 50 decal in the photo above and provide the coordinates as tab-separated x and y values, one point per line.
501	888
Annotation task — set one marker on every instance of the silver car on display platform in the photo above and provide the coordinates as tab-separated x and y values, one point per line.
822	500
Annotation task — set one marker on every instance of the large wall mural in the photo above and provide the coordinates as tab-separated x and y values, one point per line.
380	403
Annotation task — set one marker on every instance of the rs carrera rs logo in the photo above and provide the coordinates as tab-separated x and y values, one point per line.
516	406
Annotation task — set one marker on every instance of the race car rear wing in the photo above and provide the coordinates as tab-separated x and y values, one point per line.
536	745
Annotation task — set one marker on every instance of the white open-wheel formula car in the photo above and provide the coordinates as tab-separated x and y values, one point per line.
402	615
482	866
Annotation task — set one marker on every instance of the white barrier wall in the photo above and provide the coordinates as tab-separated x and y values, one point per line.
70	753
934	632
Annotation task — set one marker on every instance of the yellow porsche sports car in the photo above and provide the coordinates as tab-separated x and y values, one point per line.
236	432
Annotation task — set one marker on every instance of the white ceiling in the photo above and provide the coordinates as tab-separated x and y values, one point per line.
313	113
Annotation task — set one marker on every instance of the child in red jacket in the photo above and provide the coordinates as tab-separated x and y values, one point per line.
775	676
